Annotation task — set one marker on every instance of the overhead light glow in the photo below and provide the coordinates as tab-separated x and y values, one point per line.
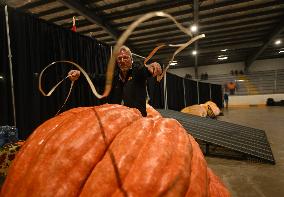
277	42
193	28
173	63
1	77
222	57
281	51
224	50
194	52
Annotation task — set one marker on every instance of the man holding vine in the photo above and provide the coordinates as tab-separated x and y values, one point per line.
129	85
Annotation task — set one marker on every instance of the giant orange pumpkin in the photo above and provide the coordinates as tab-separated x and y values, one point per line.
110	150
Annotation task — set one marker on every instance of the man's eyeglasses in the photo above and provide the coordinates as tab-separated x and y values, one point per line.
123	57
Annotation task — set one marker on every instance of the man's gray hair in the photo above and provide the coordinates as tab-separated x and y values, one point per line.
126	49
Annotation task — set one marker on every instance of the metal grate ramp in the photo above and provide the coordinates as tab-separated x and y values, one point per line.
249	143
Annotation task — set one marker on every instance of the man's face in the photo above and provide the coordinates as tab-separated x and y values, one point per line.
124	60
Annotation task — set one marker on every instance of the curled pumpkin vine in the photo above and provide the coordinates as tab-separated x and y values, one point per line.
119	44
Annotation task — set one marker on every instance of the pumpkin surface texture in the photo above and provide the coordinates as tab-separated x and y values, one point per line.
110	150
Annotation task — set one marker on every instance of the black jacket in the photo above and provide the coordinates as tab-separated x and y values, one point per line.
133	91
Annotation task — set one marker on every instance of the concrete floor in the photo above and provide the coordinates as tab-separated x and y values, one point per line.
247	179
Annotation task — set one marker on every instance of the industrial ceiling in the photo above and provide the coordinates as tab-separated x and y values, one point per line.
241	30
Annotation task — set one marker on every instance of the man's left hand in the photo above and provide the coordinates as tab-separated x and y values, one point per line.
155	69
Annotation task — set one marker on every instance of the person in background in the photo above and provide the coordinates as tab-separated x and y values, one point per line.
226	100
206	76
129	83
231	87
188	76
202	76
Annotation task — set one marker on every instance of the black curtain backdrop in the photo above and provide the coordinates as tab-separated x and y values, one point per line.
175	92
217	95
6	111
204	92
156	93
35	44
190	92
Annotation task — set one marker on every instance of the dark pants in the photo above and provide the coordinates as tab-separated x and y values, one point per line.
226	103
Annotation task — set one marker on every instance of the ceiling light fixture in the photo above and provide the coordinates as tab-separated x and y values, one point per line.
281	51
277	42
174	62
194	52
224	50
222	57
193	28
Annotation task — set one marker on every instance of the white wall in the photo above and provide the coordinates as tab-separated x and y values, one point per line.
268	64
254	99
217	69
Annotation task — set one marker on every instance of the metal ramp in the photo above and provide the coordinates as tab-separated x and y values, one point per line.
223	139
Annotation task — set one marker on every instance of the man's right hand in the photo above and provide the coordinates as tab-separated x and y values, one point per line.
74	75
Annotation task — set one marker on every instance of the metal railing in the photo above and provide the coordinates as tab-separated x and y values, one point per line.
253	83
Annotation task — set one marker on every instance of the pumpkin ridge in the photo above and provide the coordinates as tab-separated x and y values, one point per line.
191	153
132	114
130	182
124	154
32	158
107	149
171	186
180	174
47	140
144	145
105	141
102	129
197	181
72	111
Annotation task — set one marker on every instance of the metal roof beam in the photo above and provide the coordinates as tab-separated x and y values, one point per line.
212	31
206	49
89	15
202	16
51	11
34	4
182	39
204	24
99	20
152	7
118	4
230	10
216	41
274	33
